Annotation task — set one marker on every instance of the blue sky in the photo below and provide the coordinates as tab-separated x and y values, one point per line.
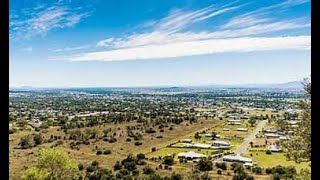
144	43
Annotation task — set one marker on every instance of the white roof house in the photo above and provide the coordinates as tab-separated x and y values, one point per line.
234	120
234	123
186	140
200	145
225	129
271	130
208	135
221	143
271	135
242	129
236	158
190	155
274	148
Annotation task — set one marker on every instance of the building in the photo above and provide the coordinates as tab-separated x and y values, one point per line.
236	158
225	129
221	144
234	123
274	148
271	130
271	135
186	140
200	145
242	129
190	155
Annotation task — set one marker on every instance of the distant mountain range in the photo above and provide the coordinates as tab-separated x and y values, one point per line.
287	85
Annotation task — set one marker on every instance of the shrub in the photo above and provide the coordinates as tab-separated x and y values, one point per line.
128	139
257	170
168	160
99	152
148	170
222	165
176	176
107	152
138	143
80	167
117	166
153	149
135	172
268	170
150	130
219	171
204	164
94	163
268	152
90	169
141	156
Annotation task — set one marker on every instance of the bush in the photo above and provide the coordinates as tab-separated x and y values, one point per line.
90	169
117	166
176	176
112	140
25	142
168	160
137	143
135	172
107	152
257	170
268	170
268	152
94	163
204	164
99	152
128	139
141	156
219	171
148	170
222	165
37	139
80	167
153	149
150	130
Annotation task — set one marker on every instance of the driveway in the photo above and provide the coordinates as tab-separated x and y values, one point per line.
243	147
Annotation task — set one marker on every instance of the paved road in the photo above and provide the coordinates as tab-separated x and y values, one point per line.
243	147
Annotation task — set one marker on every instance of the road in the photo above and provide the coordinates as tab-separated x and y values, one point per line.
243	147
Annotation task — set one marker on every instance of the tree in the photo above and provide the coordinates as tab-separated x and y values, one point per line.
168	160
34	173
252	121
37	139
53	164
303	175
299	146
176	176
204	164
25	142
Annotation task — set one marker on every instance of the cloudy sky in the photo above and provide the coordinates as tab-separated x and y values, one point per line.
146	43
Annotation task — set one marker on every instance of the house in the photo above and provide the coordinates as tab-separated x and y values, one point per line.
242	129
274	148
200	145
225	129
186	140
190	155
236	158
271	135
209	135
248	164
271	130
234	123
221	144
234	120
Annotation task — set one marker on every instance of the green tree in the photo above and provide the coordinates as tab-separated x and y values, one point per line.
53	164
299	146
204	164
252	121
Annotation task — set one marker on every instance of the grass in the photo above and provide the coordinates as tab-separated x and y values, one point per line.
270	160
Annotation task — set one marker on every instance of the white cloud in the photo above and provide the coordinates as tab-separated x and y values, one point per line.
72	48
169	37
246	44
27	49
43	21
